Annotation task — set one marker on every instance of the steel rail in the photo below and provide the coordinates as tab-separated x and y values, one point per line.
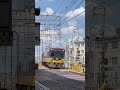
41	86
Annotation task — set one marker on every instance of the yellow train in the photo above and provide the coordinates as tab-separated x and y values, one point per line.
54	58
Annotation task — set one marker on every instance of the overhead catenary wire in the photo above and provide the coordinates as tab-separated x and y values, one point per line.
59	6
71	5
78	15
73	10
71	13
67	7
73	17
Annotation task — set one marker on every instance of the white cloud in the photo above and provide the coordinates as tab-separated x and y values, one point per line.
48	11
71	14
80	38
72	23
69	30
64	30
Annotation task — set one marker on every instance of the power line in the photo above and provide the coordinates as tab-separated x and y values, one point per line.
73	17
78	15
59	6
73	10
71	7
71	3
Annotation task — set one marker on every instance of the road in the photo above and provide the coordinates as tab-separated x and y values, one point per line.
57	79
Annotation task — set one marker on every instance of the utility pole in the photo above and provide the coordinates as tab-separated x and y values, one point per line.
60	33
103	62
50	23
69	52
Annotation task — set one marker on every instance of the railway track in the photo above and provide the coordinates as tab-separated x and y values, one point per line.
55	79
40	86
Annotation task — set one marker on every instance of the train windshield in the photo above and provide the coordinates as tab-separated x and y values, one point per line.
58	54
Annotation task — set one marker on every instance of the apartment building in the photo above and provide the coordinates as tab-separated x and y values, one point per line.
75	52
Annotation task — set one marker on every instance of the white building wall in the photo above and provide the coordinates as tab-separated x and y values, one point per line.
80	46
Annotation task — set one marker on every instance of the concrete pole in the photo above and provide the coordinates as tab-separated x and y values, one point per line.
69	52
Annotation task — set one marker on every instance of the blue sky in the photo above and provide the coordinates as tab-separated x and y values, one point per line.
68	10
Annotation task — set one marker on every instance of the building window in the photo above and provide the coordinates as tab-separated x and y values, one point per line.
82	51
78	44
115	44
114	60
78	51
82	44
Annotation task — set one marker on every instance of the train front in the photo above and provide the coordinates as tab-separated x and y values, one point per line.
56	57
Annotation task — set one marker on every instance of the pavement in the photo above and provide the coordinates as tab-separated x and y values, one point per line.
77	72
40	66
59	79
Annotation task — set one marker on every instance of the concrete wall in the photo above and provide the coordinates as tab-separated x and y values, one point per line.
97	27
23	23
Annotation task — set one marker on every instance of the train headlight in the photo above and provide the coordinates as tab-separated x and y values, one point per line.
56	58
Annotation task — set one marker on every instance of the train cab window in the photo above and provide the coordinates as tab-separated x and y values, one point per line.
52	54
59	54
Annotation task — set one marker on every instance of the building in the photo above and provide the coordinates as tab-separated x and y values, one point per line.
77	52
102	49
112	51
20	57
